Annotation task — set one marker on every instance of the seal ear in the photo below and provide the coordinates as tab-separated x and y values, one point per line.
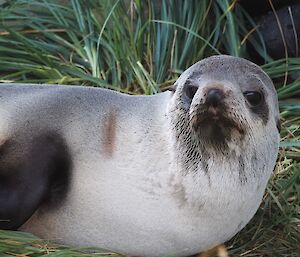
278	125
173	87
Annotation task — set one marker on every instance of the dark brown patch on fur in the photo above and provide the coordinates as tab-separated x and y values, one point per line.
109	133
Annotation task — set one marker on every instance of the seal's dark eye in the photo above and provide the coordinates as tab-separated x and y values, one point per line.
253	97
190	91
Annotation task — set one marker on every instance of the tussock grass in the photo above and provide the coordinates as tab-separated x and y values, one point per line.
141	47
14	243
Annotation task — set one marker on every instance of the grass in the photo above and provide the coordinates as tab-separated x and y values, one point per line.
141	47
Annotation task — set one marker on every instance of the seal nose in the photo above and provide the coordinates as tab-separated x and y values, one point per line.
214	97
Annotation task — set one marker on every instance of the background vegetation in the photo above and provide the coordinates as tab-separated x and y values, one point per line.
141	47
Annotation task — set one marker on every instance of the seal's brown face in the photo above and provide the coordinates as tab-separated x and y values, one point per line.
215	114
211	117
226	99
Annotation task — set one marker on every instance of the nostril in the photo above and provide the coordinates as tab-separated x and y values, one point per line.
214	97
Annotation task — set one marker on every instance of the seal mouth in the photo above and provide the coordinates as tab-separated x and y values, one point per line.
206	119
213	124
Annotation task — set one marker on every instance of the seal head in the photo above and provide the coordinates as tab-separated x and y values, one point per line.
224	105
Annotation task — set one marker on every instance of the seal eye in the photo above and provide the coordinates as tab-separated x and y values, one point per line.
190	91
253	97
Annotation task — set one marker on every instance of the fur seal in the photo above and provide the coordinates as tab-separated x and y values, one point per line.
166	175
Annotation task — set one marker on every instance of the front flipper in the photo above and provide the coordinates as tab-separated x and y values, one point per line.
32	172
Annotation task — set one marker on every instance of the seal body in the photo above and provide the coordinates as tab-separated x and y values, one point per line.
166	175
